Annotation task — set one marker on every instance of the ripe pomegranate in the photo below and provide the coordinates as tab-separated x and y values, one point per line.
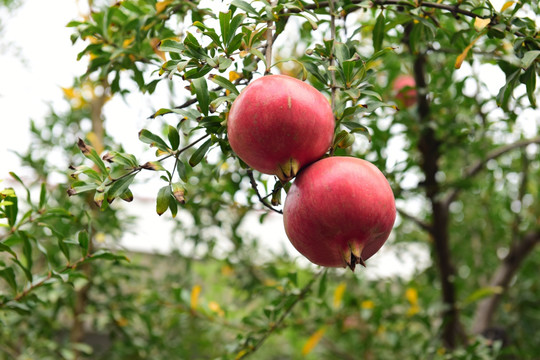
405	89
279	124
339	211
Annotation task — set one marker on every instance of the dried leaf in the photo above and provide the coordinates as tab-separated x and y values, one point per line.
461	57
506	5
480	24
195	292
338	294
313	341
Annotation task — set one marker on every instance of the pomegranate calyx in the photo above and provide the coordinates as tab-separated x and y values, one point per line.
352	255
288	170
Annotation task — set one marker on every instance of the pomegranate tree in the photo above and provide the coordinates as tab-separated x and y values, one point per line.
339	211
405	88
279	124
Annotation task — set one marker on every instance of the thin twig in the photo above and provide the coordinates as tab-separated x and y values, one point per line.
423	225
49	276
261	199
479	165
451	8
276	325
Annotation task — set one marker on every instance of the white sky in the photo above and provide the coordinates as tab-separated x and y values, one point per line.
37	59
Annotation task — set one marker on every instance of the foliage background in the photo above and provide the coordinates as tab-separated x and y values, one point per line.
65	295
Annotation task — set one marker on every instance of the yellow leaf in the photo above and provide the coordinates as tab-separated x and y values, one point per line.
195	291
480	23
128	42
233	75
338	294
69	93
162	5
214	306
122	321
313	341
367	304
461	57
241	354
506	5
155	46
412	296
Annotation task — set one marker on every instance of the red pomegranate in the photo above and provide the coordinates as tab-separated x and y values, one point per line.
279	124
339	211
405	89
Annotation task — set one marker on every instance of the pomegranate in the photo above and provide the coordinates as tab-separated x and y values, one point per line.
279	124
405	89
339	211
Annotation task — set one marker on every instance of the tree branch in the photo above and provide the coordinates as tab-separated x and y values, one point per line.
485	310
429	147
451	8
479	165
261	199
423	225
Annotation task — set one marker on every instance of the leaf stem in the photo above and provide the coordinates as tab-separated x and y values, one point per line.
261	199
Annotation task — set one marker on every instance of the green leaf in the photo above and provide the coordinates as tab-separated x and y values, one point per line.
63	248
357	128
201	91
483	293
16	177
224	83
84	242
107	255
378	32
79	187
530	84
171	46
12	209
27	251
173	206
174	137
90	153
224	25
152	139
42	195
9	275
245	6
119	187
199	154
162	200
508	88
181	170
258	54
127	196
5	248
322	285
25	269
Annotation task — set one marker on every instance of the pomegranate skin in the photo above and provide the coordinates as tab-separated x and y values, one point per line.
339	211
279	124
405	88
